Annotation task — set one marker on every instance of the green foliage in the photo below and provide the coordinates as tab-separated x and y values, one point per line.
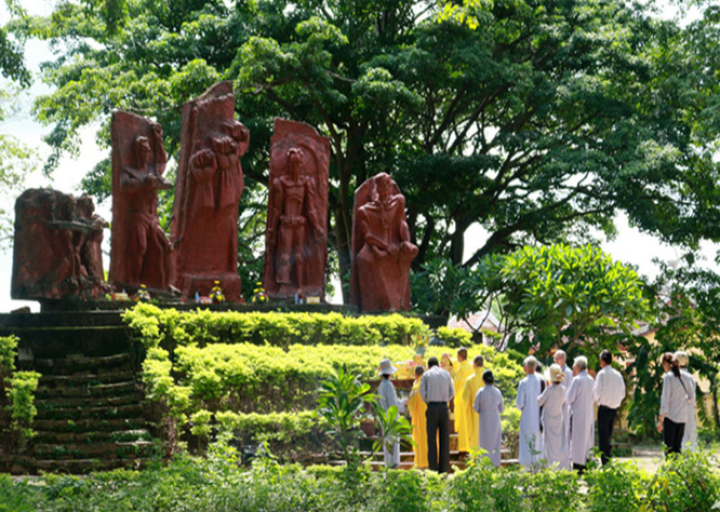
217	483
687	310
684	484
21	398
620	486
553	489
454	337
560	292
8	347
340	402
170	328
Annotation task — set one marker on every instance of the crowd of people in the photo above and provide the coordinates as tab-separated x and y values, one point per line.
558	415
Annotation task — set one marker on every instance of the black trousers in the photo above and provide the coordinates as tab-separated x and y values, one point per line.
606	423
673	435
438	418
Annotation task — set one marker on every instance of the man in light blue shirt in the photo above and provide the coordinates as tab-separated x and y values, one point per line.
436	390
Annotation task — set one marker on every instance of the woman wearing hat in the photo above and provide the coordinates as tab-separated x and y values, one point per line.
555	449
387	398
489	404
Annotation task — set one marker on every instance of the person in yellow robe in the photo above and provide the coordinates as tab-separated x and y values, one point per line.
417	409
473	384
447	364
464	370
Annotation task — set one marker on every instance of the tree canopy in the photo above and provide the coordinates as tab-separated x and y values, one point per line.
15	158
538	120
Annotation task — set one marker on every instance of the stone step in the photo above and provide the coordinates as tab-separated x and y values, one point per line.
103	451
87	379
71	364
90	425
83	466
114	388
94	412
52	437
54	404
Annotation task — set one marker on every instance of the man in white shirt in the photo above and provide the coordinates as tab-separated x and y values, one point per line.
609	393
436	390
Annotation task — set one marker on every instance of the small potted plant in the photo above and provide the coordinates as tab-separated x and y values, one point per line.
367	425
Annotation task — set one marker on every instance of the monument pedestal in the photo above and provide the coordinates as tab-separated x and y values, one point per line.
231	285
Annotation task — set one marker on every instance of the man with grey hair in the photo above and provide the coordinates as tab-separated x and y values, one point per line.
528	392
689	441
582	412
561	360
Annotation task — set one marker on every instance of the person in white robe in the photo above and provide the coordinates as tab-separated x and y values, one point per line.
689	441
580	398
561	360
387	397
530	438
552	400
489	405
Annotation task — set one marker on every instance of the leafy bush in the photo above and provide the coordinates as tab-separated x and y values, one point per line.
21	395
8	351
17	397
684	483
454	337
619	486
549	490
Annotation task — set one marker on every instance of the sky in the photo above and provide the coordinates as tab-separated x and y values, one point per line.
630	246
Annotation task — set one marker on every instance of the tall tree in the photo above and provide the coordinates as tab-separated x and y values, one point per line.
535	119
15	158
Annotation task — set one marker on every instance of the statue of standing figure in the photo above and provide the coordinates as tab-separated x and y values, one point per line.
296	235
140	250
209	185
381	249
292	218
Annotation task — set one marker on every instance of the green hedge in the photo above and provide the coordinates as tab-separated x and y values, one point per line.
250	378
215	483
200	365
170	328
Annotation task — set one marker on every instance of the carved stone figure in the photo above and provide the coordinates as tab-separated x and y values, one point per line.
56	251
209	185
296	237
139	250
381	249
90	243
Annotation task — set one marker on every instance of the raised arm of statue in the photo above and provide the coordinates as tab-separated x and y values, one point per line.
159	155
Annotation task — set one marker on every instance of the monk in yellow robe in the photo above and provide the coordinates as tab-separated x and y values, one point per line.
447	364
472	420
417	409
464	370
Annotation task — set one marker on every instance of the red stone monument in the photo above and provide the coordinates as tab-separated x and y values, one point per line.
296	236
381	251
139	249
208	189
56	251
